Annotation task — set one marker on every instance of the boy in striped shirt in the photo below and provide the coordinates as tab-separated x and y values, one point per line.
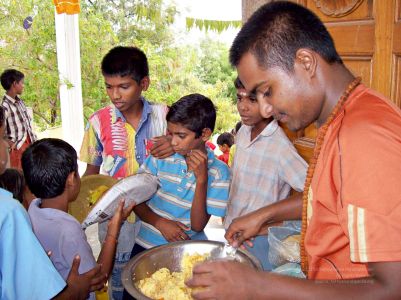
194	184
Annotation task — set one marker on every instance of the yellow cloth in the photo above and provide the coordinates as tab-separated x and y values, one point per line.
231	155
69	7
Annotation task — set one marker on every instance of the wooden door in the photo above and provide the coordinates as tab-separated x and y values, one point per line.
367	35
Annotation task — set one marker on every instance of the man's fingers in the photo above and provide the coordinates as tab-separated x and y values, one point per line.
203	294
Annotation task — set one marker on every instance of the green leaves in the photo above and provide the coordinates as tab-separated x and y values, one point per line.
208	25
175	69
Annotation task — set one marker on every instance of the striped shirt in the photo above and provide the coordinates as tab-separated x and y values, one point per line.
18	121
174	198
264	170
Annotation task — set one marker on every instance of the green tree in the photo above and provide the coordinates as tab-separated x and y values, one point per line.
175	70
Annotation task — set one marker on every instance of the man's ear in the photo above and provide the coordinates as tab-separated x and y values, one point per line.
306	60
145	81
206	133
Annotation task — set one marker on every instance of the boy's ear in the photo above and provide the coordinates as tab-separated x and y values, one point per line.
70	179
145	81
206	133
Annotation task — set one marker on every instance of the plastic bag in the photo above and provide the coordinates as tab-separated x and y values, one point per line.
290	269
283	245
136	188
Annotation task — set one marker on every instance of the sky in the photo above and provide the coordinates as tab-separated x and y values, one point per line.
224	10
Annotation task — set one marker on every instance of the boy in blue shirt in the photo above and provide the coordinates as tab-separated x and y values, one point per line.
194	184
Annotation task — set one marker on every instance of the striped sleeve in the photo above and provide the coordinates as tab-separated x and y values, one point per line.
218	189
374	236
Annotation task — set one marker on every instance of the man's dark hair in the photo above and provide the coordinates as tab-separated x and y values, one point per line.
238	84
12	180
277	30
225	138
9	76
126	61
195	112
46	165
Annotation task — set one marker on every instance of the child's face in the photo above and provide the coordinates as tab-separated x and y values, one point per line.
3	150
124	92
248	108
224	148
19	86
183	140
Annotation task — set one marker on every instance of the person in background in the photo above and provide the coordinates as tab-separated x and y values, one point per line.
51	172
117	136
194	184
19	130
13	181
351	206
265	168
233	147
225	142
25	268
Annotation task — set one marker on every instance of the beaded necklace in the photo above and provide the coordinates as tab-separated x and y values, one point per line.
312	164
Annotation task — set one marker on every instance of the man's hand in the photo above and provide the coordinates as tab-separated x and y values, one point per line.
244	228
222	280
79	286
162	147
197	162
173	231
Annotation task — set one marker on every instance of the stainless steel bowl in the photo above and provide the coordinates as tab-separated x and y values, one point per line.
169	256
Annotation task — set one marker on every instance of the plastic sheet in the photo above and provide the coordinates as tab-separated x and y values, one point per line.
137	188
283	245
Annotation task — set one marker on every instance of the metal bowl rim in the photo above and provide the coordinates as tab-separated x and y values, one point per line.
127	276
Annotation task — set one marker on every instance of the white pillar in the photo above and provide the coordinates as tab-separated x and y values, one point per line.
69	67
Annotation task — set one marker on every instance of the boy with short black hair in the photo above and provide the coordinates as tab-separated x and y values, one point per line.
19	130
225	141
116	136
266	166
193	182
51	173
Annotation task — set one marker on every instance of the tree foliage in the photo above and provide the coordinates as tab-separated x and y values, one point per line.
175	69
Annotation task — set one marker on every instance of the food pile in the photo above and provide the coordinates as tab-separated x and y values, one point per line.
167	285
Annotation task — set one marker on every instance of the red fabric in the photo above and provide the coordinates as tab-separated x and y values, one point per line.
224	157
15	155
211	145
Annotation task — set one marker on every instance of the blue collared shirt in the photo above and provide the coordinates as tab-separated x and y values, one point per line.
173	200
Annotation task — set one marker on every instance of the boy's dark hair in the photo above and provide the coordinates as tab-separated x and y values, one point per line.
195	112
125	61
9	76
13	181
225	138
238	84
46	165
2	117
277	30
238	126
